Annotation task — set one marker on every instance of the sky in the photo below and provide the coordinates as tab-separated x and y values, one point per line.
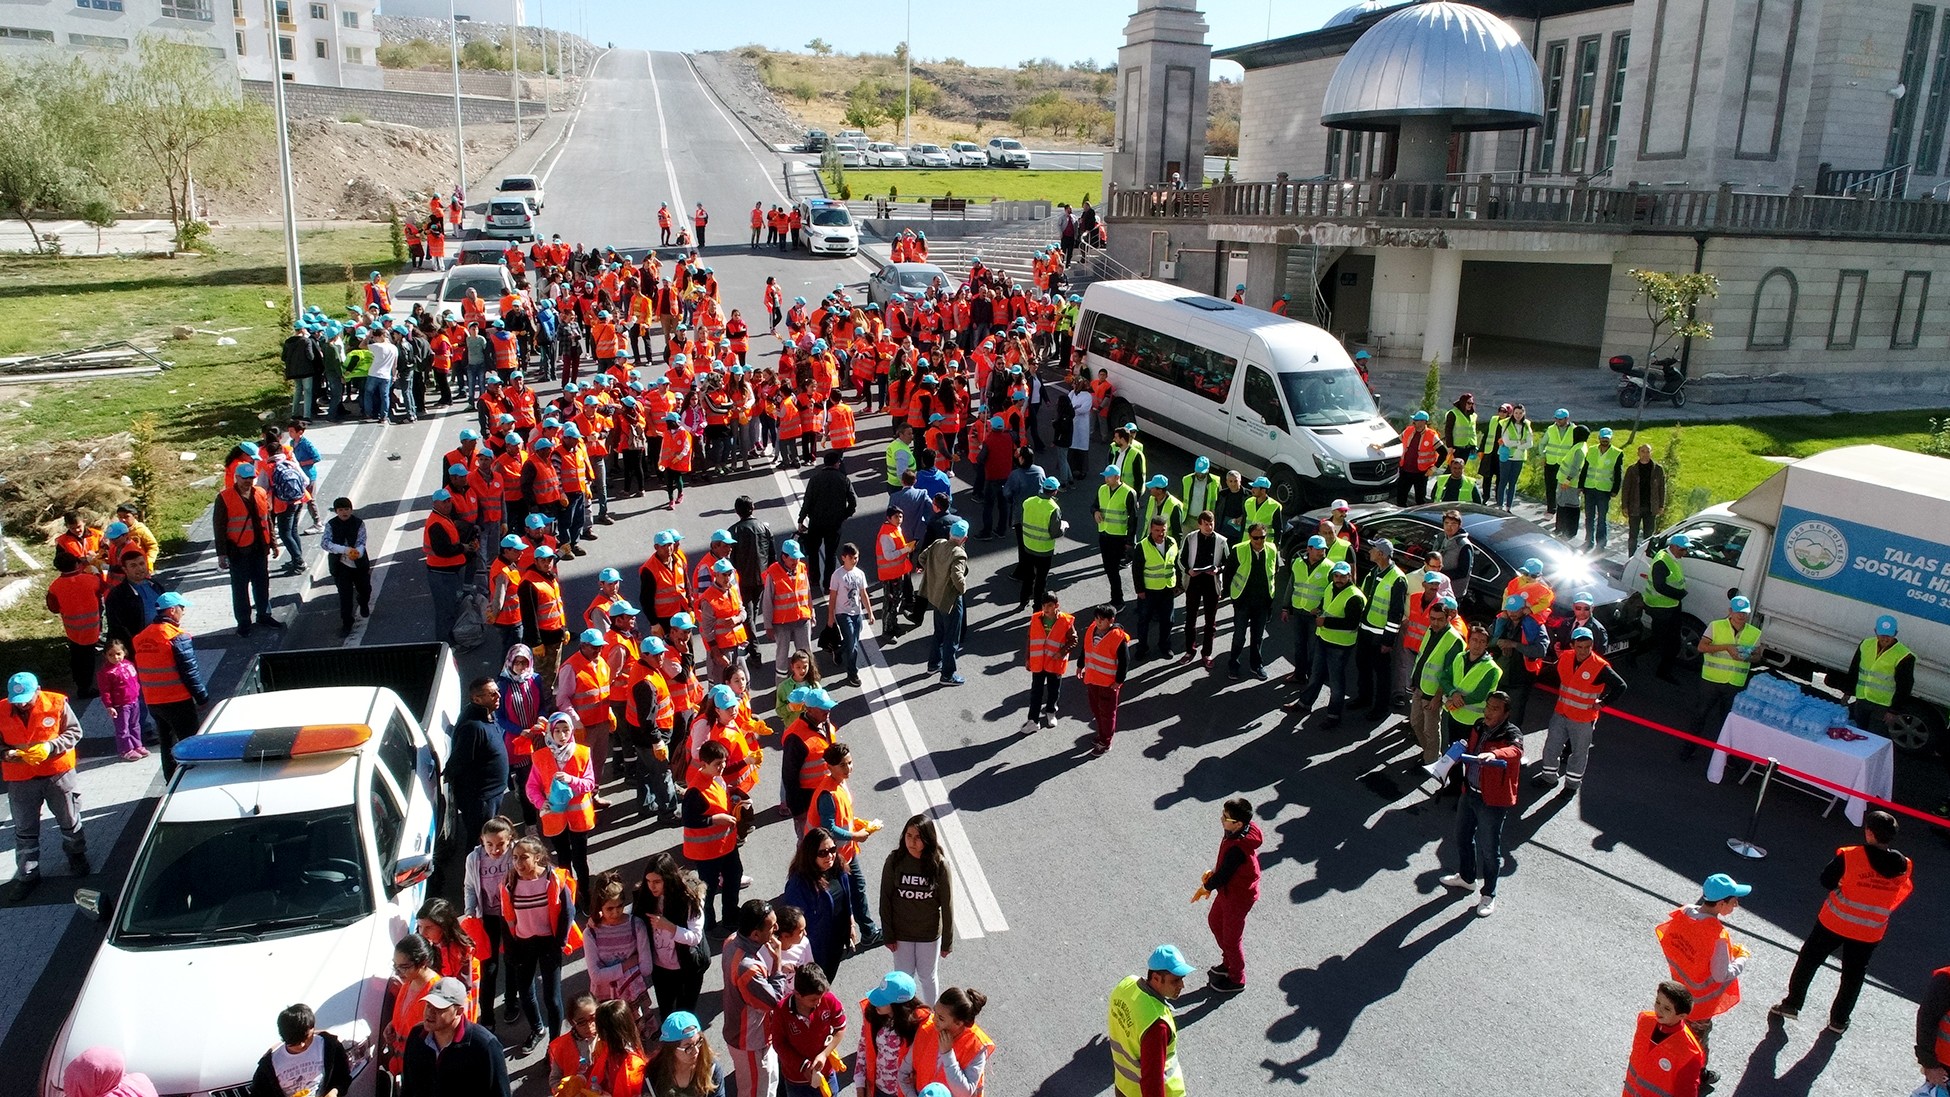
988	32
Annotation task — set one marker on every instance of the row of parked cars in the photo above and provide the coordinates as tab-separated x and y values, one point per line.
855	151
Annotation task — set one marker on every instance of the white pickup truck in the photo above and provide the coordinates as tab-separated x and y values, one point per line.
289	853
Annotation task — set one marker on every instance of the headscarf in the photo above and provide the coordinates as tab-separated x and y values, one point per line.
562	751
101	1072
521	702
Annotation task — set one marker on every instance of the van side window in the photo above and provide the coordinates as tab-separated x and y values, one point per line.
387	823
1263	396
398	753
1188	366
1717	542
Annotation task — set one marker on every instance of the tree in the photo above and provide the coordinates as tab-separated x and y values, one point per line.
900	54
182	121
1432	385
1672	309
819	46
61	155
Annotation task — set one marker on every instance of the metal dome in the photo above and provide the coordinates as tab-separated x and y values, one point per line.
1357	11
1432	60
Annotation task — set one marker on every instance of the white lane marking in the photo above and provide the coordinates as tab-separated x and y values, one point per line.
562	143
976	908
678	216
770	176
386	560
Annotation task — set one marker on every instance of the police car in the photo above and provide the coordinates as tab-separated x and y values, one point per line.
827	227
289	854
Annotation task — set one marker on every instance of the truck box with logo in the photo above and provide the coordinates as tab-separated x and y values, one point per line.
1824	547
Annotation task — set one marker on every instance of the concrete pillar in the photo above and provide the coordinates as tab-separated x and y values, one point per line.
1397	304
1264	272
1445	290
1422	150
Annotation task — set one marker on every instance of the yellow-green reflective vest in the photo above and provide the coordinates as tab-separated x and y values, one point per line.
1718	666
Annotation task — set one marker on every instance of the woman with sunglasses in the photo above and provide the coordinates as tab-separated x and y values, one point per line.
416	967
684	1066
816	883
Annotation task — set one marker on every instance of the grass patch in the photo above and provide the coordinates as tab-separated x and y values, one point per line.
213	398
1728	459
975	184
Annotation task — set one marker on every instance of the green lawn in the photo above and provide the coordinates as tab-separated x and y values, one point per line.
210	400
974	184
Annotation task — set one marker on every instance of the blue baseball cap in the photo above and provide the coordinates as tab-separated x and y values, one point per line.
1604	432
1721	886
1885	625
591	636
22	687
1203	464
441	495
1168	958
115	529
1342	568
1317	542
513	541
1679	540
723	537
679	1027
814	696
1581	634
722	567
663	537
996	422
456	469
958	529
609	575
543	552
1420	417
1532	566
1158	482
1051	483
1560	413
682	622
1261	482
470	435
1582	598
792	549
650	645
1113	470
895	987
1513	603
173	600
536	520
1739	604
723	696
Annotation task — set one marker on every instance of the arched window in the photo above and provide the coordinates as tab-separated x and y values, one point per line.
1771	327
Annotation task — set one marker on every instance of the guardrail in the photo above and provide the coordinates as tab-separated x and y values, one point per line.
1633	208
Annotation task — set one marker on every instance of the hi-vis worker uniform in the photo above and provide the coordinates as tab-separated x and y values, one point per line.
580	813
1694	945
42	773
1654	1068
1860	905
973	1043
1133	1010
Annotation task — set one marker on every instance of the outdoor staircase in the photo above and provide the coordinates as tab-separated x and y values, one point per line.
1008	248
1306	264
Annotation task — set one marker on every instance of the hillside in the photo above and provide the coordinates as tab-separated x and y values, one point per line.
1041	98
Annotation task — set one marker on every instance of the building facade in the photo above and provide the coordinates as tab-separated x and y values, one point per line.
478	11
1796	149
107	27
330	43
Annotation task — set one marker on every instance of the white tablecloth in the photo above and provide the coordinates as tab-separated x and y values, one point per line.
1866	765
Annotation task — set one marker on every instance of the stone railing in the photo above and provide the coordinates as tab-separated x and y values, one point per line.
1633	208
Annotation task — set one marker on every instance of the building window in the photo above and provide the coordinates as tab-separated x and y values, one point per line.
1771	325
355	55
1929	146
100	5
286	50
1584	93
1335	139
237	9
1621	45
240	43
1915	296
97	42
1553	106
1846	317
319	11
318	48
26	34
198	10
1902	116
283	10
349	19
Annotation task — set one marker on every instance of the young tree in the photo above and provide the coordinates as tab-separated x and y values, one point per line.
59	156
819	46
181	121
1672	309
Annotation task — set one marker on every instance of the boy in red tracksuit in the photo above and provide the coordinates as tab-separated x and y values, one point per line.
1233	885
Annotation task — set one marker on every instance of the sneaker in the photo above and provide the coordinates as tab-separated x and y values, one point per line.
1781	1010
1221	984
1048	720
853	680
1546	779
22	887
1709	1078
529	1046
744	881
1486	906
1836	1027
605	520
1455	880
269	621
1259	673
1232	672
132	756
1032	724
954	680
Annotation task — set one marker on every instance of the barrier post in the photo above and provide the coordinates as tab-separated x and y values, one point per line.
1745	847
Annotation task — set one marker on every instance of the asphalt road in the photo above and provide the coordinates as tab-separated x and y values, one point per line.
1365	975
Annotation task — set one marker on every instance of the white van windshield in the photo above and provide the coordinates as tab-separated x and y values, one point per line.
1328	397
831	216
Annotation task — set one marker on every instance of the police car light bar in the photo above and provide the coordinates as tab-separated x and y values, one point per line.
273	744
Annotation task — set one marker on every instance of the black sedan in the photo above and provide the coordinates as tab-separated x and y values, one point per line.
1503	542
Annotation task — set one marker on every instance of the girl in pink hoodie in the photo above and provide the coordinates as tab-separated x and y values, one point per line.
100	1072
122	697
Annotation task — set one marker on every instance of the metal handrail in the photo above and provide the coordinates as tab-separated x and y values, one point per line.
1897	176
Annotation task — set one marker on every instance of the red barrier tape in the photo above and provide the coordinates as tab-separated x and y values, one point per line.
1858	794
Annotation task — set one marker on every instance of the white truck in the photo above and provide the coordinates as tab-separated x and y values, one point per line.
291	850
1824	547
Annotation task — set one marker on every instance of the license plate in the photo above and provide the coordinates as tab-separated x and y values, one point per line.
1373	497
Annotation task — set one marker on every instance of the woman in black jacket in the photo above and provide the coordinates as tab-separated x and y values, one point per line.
306	1061
344	542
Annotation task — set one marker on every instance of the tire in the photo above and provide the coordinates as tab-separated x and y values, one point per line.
1690	630
1679	398
1625	397
1291	491
1917	729
1121	412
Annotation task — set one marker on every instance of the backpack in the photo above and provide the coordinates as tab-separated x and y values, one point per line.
470	624
288	483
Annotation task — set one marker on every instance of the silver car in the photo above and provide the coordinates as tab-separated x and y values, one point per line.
910	279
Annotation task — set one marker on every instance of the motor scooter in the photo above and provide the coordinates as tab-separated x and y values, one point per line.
1664	380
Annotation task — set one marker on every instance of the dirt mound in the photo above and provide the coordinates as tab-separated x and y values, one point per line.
357	170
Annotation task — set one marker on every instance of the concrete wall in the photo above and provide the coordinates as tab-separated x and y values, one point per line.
404	108
485	85
1857	59
1545	302
1279	120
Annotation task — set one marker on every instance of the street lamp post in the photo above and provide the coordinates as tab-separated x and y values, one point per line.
907	92
514	67
294	279
460	139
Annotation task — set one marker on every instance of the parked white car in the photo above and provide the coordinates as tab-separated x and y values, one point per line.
509	219
967	154
852	137
928	156
522	186
827	227
1007	152
885	154
849	154
491	281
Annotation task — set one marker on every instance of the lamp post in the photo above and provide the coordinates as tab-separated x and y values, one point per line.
514	68
907	92
460	139
294	280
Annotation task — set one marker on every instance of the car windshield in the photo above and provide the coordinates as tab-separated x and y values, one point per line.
917	280
927	148
1012	144
517	184
243	879
486	283
832	217
1327	397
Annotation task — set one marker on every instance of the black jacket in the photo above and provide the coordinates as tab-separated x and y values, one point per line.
477	766
474	1065
125	616
829	500
338	1071
301	357
752	554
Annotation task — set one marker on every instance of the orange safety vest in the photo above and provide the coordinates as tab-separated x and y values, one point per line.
1415	624
890	552
155	664
725	605
581	815
1534	591
591	698
675	455
1046	645
1689	944
548	484
1100	655
42	724
866	1065
927	1053
573	468
1860	908
1577	684
713	840
840	427
1653	1069
557	905
1418	453
237	524
78	595
670	594
842	816
791	595
788	413
603	336
507	469
662	715
548	602
620	654
814	772
742	753
508	612
436	560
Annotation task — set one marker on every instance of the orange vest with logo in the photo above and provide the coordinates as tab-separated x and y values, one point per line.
927	1053
548	483
662	716
437	560
581	815
713	840
890	555
1047	644
1100	655
669	595
79	598
41	724
620	654
548	602
237	525
1859	909
791	595
840	427
727	631
842	815
1689	944
155	664
1653	1069
507	579
591	699
813	772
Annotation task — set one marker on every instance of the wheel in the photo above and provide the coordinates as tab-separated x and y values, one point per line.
1690	630
1679	398
1916	727
1289	490
1625	396
1121	412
